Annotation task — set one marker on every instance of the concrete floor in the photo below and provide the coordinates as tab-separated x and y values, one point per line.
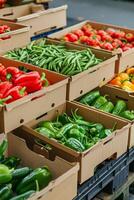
119	12
109	11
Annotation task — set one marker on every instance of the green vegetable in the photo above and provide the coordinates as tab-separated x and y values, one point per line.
3	148
127	114
90	97
23	196
46	132
11	162
40	175
64	130
99	102
47	124
104	133
107	107
119	107
21	172
55	57
96	128
76	133
6	192
5	174
75	144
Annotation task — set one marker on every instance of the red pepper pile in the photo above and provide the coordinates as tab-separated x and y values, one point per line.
4	29
2	3
109	39
15	84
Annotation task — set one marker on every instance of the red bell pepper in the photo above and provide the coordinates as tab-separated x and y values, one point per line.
10	73
16	92
32	81
4	88
1	69
30	76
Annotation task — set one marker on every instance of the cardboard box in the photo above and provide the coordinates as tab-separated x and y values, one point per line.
34	16
35	104
112	146
64	183
125	59
115	94
87	80
19	36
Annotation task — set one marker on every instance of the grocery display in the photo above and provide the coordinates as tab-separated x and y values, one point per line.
66	105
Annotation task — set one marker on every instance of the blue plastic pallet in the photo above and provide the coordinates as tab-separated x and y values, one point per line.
111	171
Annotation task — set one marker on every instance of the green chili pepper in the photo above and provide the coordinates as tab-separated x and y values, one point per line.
104	133
127	114
64	130
75	133
3	148
99	102
47	124
90	97
107	107
46	132
119	107
6	192
11	161
23	196
96	128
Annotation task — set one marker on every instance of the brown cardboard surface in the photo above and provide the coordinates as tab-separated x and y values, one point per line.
115	94
83	82
34	16
114	145
34	104
64	184
19	36
125	58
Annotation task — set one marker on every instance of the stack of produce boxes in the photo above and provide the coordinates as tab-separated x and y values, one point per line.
51	121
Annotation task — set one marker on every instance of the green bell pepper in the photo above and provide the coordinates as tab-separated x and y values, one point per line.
5	174
119	107
127	114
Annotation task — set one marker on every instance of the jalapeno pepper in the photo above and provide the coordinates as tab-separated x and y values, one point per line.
127	114
99	101
107	107
119	107
90	97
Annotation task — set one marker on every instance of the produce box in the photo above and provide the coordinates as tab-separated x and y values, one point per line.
114	95
17	36
83	81
114	145
64	174
36	17
125	57
34	104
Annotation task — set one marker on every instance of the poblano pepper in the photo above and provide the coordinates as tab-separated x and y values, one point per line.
107	107
119	107
99	102
90	97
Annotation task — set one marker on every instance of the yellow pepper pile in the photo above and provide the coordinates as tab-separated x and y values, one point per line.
125	80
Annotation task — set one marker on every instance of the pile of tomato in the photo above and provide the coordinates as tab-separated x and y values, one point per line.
4	29
2	3
109	39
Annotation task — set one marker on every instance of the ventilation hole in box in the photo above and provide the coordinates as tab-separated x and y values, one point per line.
104	79
21	121
81	91
53	104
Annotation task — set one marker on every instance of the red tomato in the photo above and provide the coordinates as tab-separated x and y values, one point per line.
98	37
86	27
132	43
125	48
101	32
129	37
107	38
6	27
119	34
88	33
71	37
79	33
66	39
108	46
84	39
129	45
115	45
93	41
111	31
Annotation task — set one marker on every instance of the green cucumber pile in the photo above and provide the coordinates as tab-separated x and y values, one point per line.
95	99
19	183
55	57
73	131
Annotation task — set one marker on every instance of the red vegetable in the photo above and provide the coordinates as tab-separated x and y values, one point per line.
30	76
4	88
16	92
129	37
72	37
79	33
